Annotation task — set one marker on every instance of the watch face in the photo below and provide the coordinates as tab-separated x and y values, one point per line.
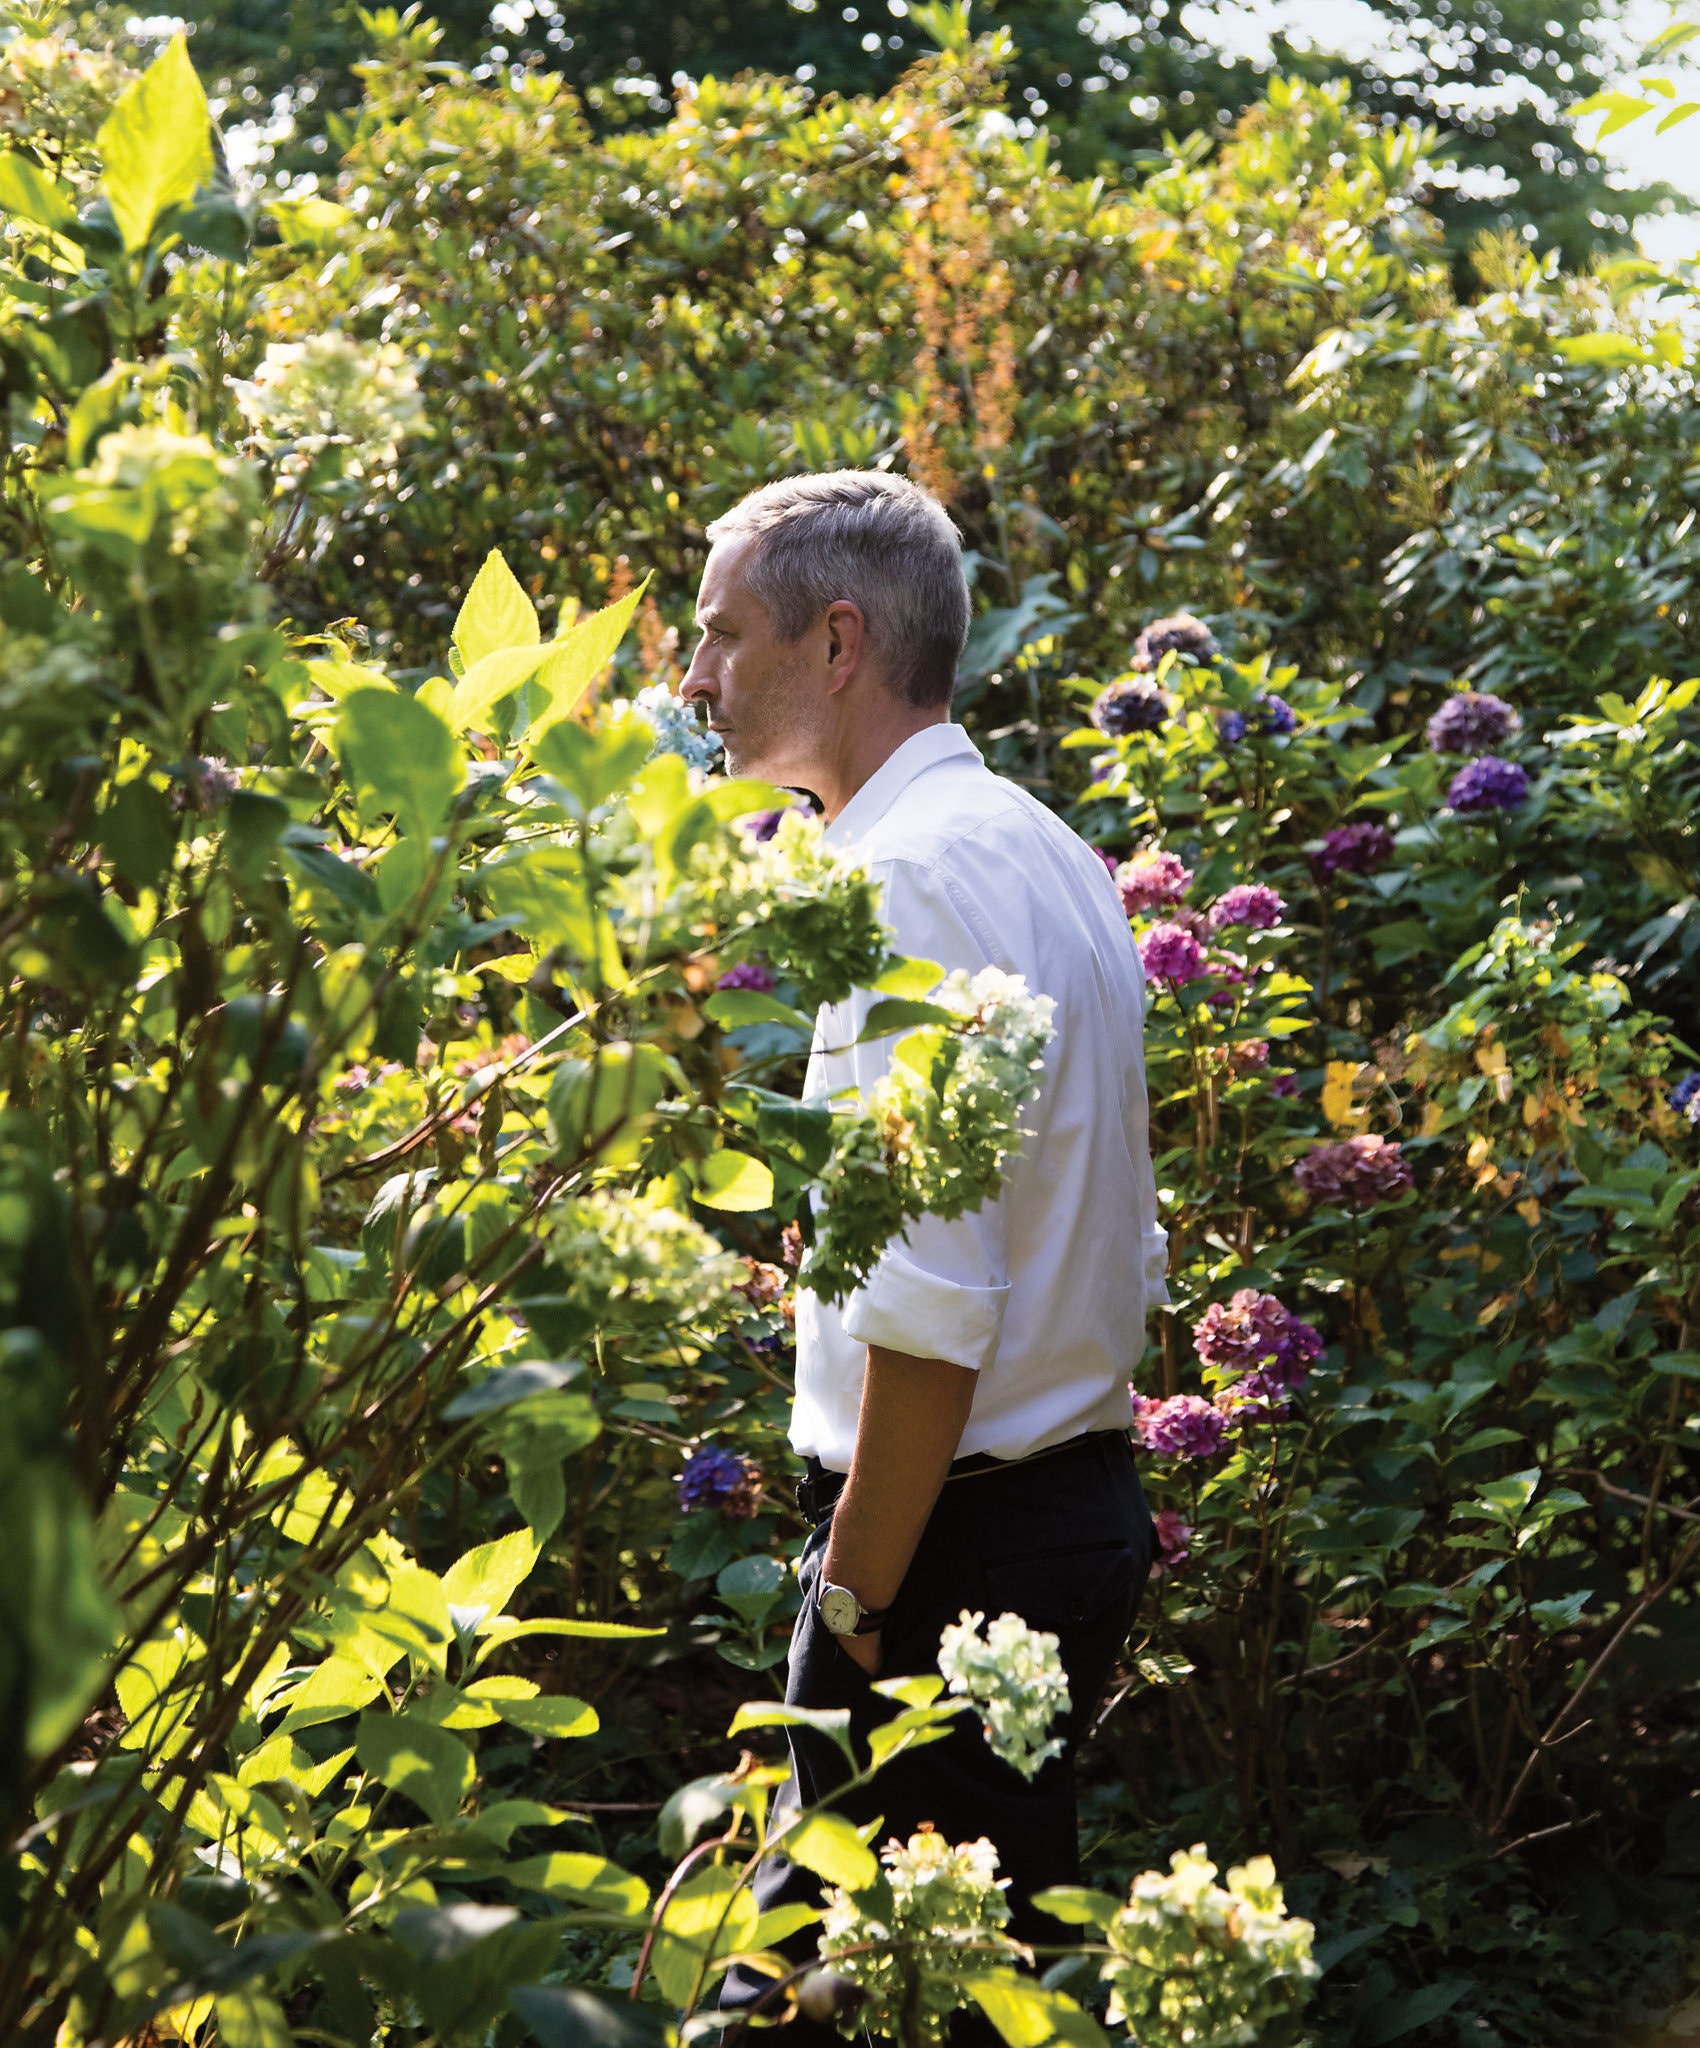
839	1609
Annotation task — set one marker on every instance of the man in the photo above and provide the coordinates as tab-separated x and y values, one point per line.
964	1417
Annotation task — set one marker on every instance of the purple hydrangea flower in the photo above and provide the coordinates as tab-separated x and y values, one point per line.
1353	849
719	1479
1253	904
1171	953
1184	1426
1286	1085
1230	728
1273	716
1256	1336
1109	860
747	974
1471	722
1174	1542
763	825
1685	1097
1489	784
1152	879
1137	706
1358	1172
1180	634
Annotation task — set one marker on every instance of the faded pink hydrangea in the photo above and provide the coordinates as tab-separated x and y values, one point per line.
1232	974
1357	1172
1171	953
749	974
1257	1340
1252	904
1152	879
1248	1056
1174	1542
1184	1426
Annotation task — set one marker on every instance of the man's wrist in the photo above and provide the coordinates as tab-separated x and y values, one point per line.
843	1613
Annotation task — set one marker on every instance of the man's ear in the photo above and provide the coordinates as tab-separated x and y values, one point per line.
846	641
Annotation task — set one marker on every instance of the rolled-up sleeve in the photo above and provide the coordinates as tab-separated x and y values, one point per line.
939	1291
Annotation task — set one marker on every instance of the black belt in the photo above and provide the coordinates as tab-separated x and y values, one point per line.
820	1486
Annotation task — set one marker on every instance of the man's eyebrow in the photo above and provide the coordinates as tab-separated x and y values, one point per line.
717	621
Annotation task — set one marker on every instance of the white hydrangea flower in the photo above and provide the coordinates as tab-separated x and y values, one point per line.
1211	1966
330	391
676	727
1014	1676
947	1912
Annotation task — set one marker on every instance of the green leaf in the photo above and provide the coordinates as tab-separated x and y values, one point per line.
339	1687
733	1008
1028	2015
554	1715
495	616
308	222
27	191
249	2017
734	1181
429	1765
570	664
827	1844
139	831
1607	351
487	681
909	979
592	765
400	756
1389	2019
832	1721
505	1630
156	144
752	1585
510	1383
711	1914
567	2016
1076	1905
897	1013
253	825
486	1578
584	1880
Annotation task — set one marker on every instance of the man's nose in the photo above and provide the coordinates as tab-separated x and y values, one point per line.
698	688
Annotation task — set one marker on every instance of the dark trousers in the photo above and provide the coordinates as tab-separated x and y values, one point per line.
1065	1541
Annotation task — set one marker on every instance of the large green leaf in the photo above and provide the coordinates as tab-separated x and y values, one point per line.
488	680
431	1766
827	1844
582	1879
400	756
1029	2015
496	614
554	1715
571	663
487	1577
27	191
156	144
734	1181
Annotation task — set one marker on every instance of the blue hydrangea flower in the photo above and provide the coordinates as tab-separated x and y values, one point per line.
1685	1097
711	1478
1471	722
1274	716
1230	728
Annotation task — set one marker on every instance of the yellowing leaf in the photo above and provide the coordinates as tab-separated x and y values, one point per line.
309	222
570	664
156	144
734	1181
495	615
1530	1211
1480	1150
488	680
1337	1090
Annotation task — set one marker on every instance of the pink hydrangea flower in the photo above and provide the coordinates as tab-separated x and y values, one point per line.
1358	1172
1174	1542
1184	1426
747	974
1252	904
1171	953
1151	880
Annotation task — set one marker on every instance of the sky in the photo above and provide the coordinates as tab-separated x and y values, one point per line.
1644	157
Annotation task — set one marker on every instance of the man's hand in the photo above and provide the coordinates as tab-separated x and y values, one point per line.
914	1411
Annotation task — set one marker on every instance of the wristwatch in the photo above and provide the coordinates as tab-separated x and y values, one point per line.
844	1614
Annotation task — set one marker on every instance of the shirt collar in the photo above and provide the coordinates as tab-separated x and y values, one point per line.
919	752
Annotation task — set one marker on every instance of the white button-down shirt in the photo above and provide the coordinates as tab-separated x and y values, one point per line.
1044	1290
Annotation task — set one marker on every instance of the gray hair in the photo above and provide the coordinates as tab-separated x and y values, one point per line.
879	541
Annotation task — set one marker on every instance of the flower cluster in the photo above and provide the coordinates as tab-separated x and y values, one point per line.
1179	634
1211	1966
944	1921
1151	880
1134	705
937	1130
1357	1172
1171	953
1258	1342
1357	849
1014	1676
1174	1542
1252	904
750	974
635	1261
1489	784
676	728
723	1480
330	392
1471	722
1685	1097
764	825
1184	1426
1270	717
